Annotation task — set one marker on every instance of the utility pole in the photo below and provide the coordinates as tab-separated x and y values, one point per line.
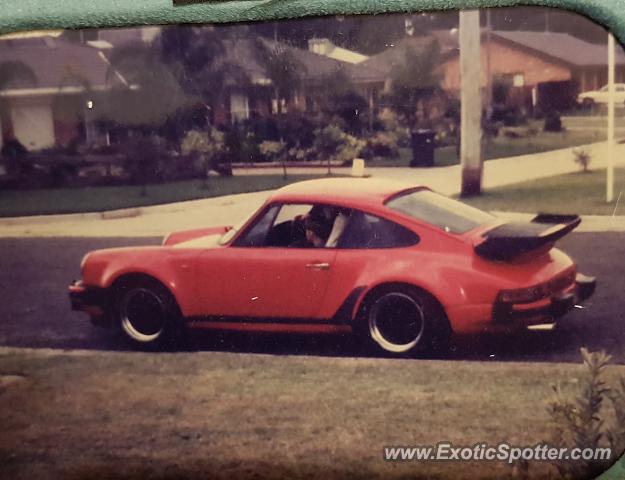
471	103
489	73
611	99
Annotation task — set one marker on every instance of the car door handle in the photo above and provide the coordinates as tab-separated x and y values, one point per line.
318	266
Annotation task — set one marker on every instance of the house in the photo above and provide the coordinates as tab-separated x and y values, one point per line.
244	101
543	69
47	102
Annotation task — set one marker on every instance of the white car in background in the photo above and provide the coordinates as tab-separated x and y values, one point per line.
588	99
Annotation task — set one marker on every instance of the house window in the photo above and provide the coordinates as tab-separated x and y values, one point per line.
239	107
274	106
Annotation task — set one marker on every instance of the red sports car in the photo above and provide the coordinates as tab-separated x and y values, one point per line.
402	266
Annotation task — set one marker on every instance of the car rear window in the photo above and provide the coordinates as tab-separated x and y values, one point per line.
443	212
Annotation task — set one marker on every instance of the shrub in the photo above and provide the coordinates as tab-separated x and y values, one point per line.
585	421
351	108
553	122
331	143
142	159
583	159
242	145
296	129
273	151
382	144
390	123
207	151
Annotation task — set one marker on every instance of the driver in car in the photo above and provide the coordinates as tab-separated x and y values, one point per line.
316	234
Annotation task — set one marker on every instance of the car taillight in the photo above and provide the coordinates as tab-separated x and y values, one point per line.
538	292
523	295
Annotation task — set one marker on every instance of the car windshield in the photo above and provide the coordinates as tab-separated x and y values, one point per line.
443	212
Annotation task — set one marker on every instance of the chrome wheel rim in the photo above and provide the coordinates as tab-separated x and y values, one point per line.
396	322
143	315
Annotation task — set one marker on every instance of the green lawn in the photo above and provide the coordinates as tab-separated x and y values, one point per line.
222	415
501	147
581	193
96	199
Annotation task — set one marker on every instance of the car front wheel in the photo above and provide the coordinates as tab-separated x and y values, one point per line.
147	314
405	322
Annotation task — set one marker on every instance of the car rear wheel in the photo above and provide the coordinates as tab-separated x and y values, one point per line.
405	322
588	102
147	313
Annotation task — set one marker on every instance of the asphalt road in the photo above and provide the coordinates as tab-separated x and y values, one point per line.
34	308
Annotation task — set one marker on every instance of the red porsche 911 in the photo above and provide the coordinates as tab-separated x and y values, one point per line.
401	266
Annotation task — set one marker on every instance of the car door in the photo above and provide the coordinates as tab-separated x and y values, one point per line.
252	279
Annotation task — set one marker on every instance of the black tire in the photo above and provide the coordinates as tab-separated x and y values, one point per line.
146	314
588	103
402	321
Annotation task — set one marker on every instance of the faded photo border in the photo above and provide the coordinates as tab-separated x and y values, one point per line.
22	15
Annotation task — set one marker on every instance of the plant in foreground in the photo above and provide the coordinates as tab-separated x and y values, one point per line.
595	418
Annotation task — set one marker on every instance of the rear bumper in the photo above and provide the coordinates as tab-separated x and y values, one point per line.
88	299
505	314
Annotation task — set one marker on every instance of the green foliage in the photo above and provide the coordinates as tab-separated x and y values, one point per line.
334	144
273	151
145	92
208	148
414	81
211	144
583	159
142	159
383	144
584	421
282	68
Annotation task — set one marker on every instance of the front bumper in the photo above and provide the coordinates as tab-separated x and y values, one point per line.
88	299
505	314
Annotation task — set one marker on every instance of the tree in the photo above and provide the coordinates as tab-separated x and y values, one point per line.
340	100
282	68
414	82
145	92
197	56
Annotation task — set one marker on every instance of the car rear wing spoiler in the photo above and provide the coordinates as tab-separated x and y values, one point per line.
514	239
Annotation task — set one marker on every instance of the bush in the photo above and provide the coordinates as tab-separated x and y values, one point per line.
583	159
351	108
553	122
390	123
242	145
142	160
297	130
382	144
334	144
595	418
273	151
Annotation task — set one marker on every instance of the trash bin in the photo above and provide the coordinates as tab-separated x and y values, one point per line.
423	148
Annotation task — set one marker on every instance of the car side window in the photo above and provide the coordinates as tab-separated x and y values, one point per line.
256	234
368	231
